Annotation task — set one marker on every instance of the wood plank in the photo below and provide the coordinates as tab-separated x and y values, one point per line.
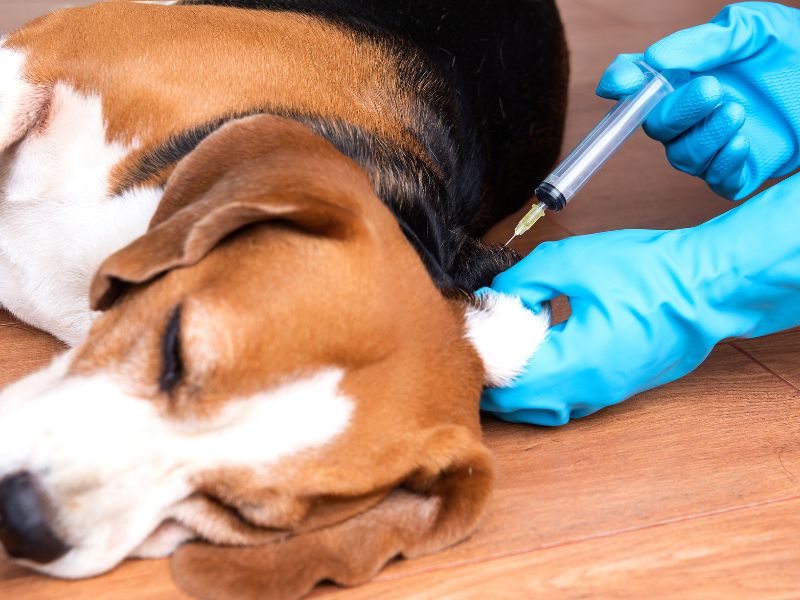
750	553
594	38
23	349
135	580
779	353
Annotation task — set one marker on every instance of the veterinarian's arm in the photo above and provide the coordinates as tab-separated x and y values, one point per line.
736	122
648	306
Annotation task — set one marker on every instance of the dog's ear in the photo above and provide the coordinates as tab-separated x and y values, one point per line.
257	169
436	507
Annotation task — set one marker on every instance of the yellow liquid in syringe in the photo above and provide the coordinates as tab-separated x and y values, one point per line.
528	221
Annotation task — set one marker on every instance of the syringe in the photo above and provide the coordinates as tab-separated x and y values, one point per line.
560	187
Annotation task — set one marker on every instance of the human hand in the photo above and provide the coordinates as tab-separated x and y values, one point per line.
736	122
649	306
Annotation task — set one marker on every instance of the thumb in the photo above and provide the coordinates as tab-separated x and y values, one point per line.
537	278
621	78
546	393
728	38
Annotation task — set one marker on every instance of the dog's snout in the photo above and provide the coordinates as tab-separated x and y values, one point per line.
24	530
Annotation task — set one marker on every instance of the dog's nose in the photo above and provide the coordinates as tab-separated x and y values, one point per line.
24	530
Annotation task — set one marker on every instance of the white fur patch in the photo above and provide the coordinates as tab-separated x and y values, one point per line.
58	222
114	466
506	335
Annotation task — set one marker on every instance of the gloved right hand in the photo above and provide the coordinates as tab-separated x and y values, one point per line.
736	123
648	306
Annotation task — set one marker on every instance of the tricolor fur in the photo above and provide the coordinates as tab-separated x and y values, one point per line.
276	204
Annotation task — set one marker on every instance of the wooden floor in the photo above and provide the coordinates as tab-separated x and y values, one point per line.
692	490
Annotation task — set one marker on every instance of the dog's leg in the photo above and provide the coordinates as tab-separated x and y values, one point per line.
58	220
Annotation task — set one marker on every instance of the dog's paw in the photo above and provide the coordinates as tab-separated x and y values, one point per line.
505	334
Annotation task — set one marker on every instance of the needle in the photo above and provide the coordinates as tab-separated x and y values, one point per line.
509	241
533	215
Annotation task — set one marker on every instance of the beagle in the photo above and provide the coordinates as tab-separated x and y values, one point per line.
257	225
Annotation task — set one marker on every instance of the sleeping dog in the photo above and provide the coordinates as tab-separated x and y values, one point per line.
257	223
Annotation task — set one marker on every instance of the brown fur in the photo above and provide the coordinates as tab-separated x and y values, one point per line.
237	59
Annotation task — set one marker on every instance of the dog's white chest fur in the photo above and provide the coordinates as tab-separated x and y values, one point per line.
58	219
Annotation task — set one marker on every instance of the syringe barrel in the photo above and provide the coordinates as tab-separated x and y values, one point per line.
604	140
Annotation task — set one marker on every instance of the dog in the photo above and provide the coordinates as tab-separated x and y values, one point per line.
257	224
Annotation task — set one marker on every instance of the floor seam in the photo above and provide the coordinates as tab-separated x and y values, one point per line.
599	536
765	367
564	229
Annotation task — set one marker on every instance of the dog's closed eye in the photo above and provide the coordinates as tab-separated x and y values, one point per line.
171	360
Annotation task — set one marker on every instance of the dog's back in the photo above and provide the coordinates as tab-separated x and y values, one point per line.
502	72
453	110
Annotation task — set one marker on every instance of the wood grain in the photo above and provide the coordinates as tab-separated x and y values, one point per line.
721	556
22	349
135	580
779	353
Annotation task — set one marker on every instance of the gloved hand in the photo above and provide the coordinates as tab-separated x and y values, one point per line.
736	123
648	306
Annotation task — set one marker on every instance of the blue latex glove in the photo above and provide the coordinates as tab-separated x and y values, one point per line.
648	306
736	123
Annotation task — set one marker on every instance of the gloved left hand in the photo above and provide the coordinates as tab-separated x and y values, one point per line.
736	122
649	306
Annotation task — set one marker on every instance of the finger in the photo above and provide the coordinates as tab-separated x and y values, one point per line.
546	417
693	151
538	399
621	78
726	39
543	395
725	173
534	295
683	109
551	270
738	186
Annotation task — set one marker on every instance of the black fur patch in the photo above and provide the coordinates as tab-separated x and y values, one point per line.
170	153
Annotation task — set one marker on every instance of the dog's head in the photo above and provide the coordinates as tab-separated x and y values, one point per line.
275	373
